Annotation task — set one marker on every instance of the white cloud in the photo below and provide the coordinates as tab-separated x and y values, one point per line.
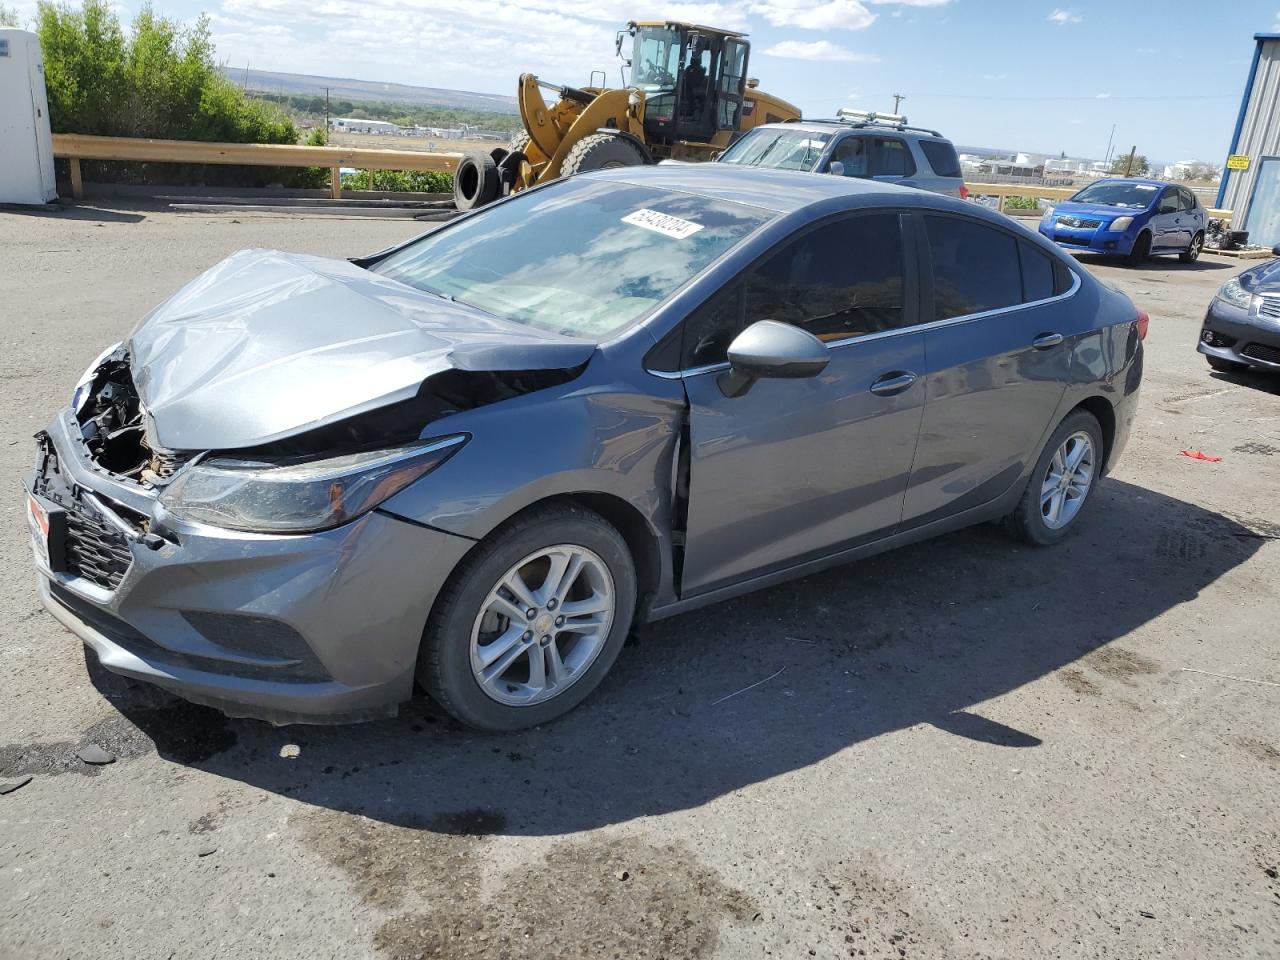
1063	17
1103	96
817	50
909	3
808	15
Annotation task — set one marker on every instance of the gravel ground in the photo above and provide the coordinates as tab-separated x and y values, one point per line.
974	749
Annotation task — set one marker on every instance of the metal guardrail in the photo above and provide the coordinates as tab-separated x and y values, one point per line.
1003	191
77	146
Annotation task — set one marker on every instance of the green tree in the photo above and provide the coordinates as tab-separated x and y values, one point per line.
158	80
8	17
1141	166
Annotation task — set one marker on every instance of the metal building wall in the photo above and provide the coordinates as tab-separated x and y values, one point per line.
1259	127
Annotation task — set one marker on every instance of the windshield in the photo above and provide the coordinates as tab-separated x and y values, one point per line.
655	58
1115	193
776	148
582	258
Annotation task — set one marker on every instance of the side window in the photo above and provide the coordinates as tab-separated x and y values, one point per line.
711	328
1168	201
1188	199
1062	277
975	267
852	152
1037	273
890	157
843	279
942	157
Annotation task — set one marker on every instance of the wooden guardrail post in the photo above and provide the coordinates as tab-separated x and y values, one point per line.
77	184
335	182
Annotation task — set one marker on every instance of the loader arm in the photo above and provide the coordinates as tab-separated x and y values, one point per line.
554	130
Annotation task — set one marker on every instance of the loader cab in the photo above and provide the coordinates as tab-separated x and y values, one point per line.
693	79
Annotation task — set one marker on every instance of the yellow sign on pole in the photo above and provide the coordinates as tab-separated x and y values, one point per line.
1237	161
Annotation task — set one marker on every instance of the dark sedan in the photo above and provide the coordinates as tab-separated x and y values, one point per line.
473	461
1242	326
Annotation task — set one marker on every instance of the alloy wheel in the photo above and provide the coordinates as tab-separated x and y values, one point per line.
1068	480
542	625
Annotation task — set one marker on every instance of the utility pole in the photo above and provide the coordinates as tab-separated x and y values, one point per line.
1128	166
326	114
897	99
1107	158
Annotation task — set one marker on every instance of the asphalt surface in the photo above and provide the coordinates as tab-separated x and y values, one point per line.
968	748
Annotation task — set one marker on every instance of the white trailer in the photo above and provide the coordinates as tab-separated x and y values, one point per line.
26	145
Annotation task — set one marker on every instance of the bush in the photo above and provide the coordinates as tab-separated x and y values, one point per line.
159	81
1020	203
407	181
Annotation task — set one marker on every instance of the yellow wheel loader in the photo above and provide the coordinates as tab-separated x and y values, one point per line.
688	99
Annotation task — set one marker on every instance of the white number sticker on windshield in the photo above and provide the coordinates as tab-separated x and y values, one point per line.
662	223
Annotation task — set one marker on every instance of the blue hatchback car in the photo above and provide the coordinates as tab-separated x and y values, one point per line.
1130	218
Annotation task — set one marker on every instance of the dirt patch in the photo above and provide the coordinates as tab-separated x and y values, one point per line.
586	899
1117	663
1261	750
1078	682
1257	449
1180	545
875	917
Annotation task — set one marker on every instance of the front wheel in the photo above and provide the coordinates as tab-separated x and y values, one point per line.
1141	250
1061	483
531	621
1192	253
601	151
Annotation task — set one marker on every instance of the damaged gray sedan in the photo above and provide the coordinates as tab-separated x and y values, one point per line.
473	461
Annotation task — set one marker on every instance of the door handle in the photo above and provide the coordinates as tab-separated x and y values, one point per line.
893	383
1047	340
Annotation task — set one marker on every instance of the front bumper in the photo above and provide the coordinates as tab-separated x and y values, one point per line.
321	627
1088	239
1240	335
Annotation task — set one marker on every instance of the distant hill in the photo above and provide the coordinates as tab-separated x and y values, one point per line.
341	88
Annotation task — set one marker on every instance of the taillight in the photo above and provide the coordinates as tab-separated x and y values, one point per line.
964	192
1144	321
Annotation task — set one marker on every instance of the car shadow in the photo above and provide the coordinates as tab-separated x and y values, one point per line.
78	210
922	635
1263	380
1158	263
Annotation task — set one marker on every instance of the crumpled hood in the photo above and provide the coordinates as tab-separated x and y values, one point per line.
269	344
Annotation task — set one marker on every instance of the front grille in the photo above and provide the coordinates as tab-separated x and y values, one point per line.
95	551
1260	351
1078	241
1080	224
1269	306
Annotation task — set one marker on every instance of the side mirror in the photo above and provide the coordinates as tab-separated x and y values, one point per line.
1275	251
618	46
836	168
771	350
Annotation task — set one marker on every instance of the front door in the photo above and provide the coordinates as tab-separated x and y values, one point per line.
999	360
1166	225
796	469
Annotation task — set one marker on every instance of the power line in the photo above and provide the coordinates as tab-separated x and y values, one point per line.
1093	99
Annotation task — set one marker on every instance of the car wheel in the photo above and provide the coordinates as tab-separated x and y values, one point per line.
1061	483
531	621
1141	250
1192	253
1226	366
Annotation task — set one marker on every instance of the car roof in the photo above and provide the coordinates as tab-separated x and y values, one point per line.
821	125
781	191
1148	181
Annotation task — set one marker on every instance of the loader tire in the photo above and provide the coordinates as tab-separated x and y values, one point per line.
475	182
519	142
601	151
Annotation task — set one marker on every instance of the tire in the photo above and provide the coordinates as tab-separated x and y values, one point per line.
1226	366
1028	521
461	640
519	142
475	182
1192	253
601	151
1141	250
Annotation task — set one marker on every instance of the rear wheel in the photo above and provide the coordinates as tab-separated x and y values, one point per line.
531	621
1226	366
601	151
475	182
1192	253
1061	483
1141	250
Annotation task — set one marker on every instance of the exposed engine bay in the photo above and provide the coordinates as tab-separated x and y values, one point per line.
113	421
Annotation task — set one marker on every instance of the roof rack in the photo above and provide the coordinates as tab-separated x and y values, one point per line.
869	118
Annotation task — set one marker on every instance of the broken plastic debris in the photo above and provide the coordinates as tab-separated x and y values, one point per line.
9	786
290	750
94	754
1198	455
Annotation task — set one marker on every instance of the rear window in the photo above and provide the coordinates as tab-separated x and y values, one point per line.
942	157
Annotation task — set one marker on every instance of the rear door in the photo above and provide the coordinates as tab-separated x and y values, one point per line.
795	469
998	361
891	160
1166	225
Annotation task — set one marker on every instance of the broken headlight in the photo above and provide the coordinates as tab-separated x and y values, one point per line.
300	497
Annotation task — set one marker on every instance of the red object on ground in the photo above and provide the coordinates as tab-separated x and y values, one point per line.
1144	320
1197	455
964	192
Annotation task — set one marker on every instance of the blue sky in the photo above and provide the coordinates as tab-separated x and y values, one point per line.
1003	73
